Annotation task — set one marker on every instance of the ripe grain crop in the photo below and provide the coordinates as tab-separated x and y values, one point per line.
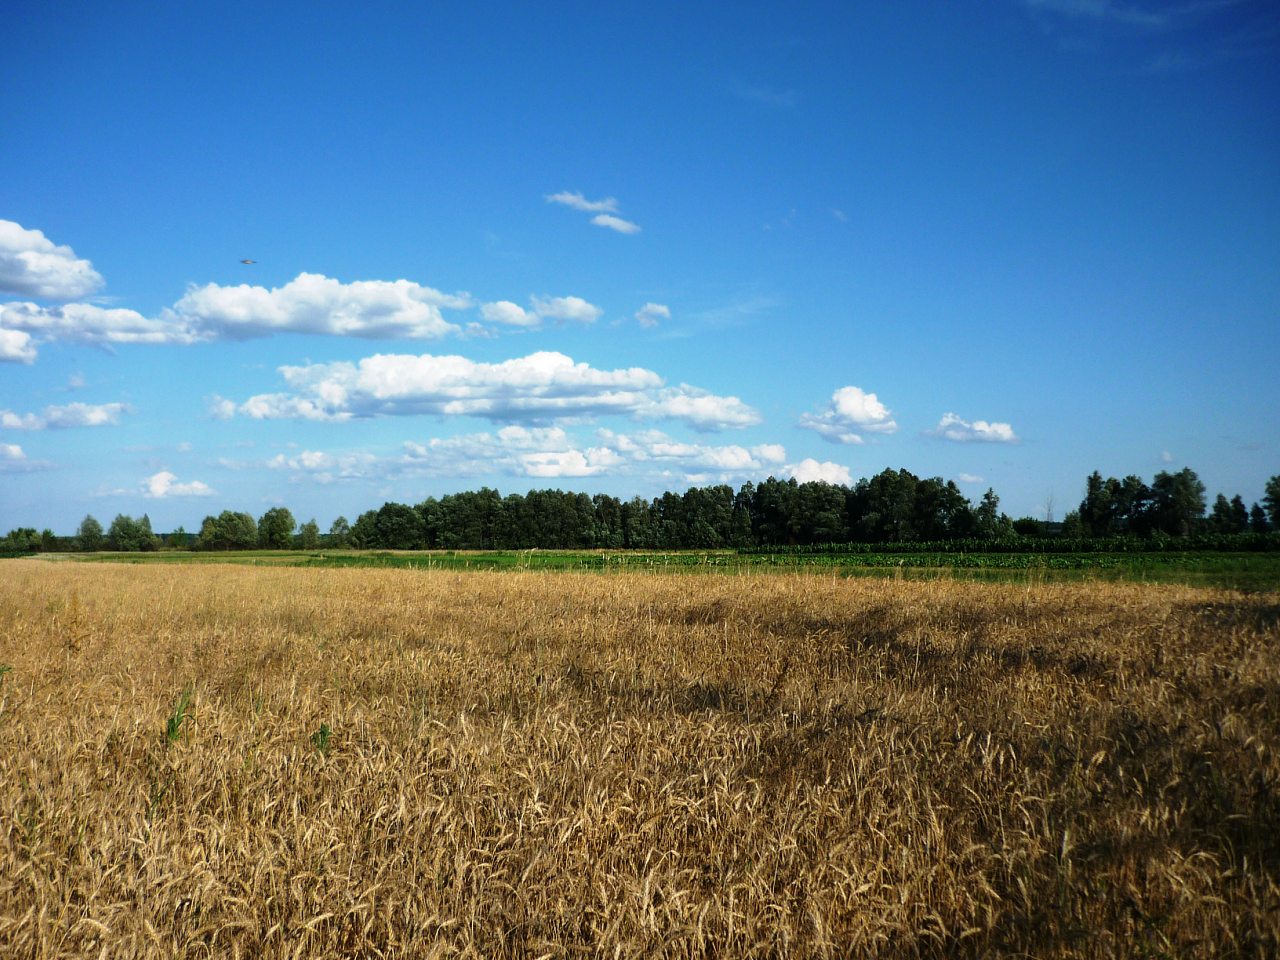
269	762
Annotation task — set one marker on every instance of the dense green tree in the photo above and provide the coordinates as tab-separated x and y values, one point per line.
1177	502
818	514
275	529
884	506
608	521
1258	519
89	534
941	511
128	534
771	511
1239	515
21	540
1072	525
1271	502
229	530
364	532
309	535
398	526
1229	516
1220	515
637	524
1098	509
990	521
339	532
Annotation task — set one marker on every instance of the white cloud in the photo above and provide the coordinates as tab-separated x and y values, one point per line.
327	467
511	314
702	410
16	346
541	308
543	386
31	265
69	415
316	304
611	222
605	210
809	470
13	459
163	484
1166	456
952	427
849	414
651	313
566	308
540	452
970	478
570	463
578	202
655	447
87	323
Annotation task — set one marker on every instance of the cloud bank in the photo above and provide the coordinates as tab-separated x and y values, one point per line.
164	484
849	414
32	265
61	417
316	304
605	210
541	387
952	427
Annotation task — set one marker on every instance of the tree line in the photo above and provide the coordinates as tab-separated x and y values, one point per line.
894	506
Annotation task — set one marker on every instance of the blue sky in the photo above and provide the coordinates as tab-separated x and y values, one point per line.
631	247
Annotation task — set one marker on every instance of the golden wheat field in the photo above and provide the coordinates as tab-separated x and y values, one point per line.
252	762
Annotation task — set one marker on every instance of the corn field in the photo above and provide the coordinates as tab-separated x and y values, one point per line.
270	762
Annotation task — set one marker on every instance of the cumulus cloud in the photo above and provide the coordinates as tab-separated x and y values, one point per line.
609	221
316	304
605	210
543	386
87	323
164	484
543	453
952	427
566	308
578	202
970	478
11	453
541	308
68	415
849	414
327	467
809	470
16	346
657	448
309	304
32	265
702	410
651	313
511	314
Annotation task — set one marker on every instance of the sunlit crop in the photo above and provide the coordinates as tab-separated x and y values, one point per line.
272	762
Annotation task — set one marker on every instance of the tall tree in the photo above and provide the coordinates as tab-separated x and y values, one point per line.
128	534
339	532
309	534
1271	502
275	529
1177	502
89	534
1258	519
229	530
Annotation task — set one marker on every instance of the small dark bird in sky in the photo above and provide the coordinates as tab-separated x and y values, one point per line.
248	261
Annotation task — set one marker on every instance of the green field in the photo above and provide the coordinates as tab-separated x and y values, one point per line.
1238	571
